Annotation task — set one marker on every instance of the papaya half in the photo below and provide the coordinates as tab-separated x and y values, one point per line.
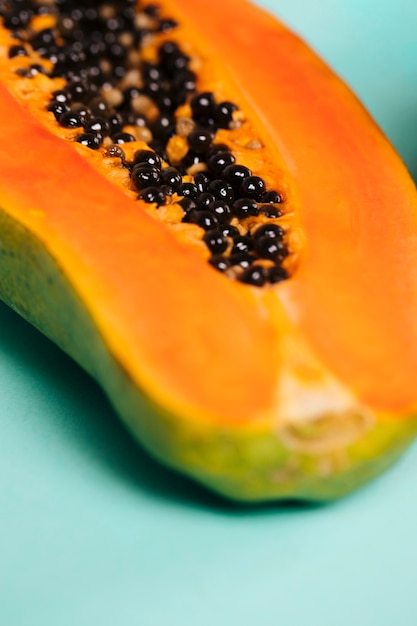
198	211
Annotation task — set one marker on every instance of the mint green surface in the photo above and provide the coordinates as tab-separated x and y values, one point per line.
94	532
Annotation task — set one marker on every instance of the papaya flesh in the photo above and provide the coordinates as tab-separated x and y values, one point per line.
260	339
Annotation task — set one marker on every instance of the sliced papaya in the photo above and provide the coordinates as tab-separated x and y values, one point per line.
197	210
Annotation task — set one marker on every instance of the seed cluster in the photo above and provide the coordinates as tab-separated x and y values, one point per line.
113	96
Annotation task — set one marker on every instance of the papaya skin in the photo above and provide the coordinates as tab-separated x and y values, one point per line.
300	391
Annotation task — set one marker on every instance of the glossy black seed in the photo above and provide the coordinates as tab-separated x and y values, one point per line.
78	90
153	88
271	196
236	173
115	24
221	190
34	69
75	53
115	123
17	51
274	231
276	274
144	176
192	158
97	125
179	96
205	199
97	47
23	71
70	120
134	119
166	25
115	151
43	38
159	147
217	147
58	108
69	65
129	94
215	241
96	74
148	157
255	275
200	140
203	104
65	24
76	46
245	207
185	80
81	109
220	263
165	102
188	190
51	54
224	113
128	12
123	138
189	206
205	219
201	181
19	18
37	68
99	107
242	259
168	49
171	56
43	10
175	64
230	231
208	121
163	127
171	176
219	161
90	14
253	187
75	11
269	248
116	52
91	140
152	10
270	211
221	210
153	195
242	244
167	190
151	71
61	95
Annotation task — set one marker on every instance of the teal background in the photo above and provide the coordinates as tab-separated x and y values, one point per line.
94	532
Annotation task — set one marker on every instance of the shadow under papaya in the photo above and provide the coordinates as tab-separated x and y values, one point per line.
99	433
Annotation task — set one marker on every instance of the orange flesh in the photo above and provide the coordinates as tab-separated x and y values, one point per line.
355	293
194	339
153	293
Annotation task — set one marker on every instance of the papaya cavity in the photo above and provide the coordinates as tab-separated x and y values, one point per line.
119	80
